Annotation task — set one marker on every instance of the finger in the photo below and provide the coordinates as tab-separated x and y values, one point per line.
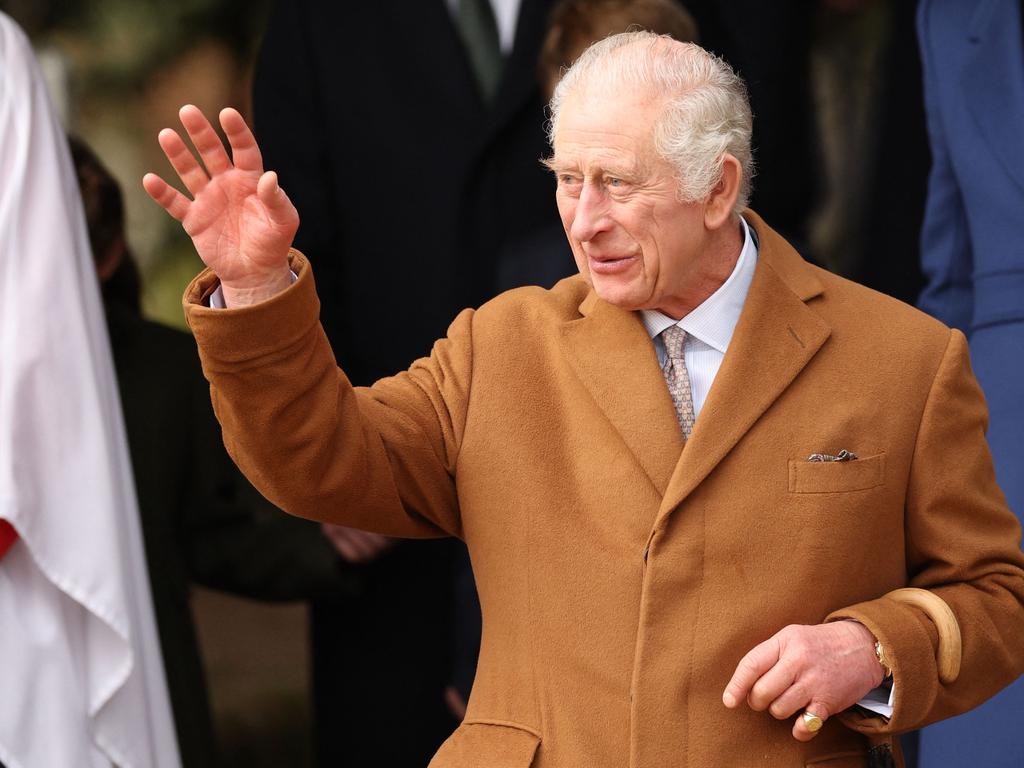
244	151
339	538
361	545
330	532
274	199
456	705
205	139
369	537
346	549
801	730
166	196
362	538
771	685
792	700
750	669
377	542
192	174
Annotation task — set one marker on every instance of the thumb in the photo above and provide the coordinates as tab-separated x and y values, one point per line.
279	206
811	720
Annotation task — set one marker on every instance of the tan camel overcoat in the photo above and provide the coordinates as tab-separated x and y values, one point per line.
622	577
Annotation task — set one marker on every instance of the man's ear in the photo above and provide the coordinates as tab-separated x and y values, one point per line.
719	205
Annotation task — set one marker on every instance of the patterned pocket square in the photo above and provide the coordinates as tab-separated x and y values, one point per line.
843	455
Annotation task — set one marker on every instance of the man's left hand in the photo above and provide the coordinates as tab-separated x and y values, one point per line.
821	669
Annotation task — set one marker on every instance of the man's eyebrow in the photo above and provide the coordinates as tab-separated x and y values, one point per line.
554	164
558	165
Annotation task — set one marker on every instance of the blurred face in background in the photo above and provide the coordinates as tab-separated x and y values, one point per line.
633	240
575	24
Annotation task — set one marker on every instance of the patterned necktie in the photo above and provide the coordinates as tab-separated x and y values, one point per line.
677	377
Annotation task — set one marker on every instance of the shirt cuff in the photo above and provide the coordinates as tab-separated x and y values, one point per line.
217	297
880	700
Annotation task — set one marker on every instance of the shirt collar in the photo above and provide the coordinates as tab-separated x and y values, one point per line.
714	320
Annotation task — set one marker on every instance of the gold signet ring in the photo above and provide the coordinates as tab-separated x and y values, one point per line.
812	721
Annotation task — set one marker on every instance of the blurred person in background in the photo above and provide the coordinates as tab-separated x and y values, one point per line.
575	24
973	58
202	522
82	681
769	45
440	100
872	168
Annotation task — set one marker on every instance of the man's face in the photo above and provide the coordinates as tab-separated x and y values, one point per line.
633	240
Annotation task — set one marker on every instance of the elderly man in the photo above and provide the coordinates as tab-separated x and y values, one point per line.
689	477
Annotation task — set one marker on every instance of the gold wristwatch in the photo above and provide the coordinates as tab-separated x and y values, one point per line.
880	655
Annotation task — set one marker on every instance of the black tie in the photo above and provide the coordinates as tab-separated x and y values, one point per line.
479	32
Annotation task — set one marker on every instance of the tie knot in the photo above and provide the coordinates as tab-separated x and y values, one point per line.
674	337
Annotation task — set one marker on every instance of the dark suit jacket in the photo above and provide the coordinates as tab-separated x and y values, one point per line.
410	189
769	45
201	520
971	251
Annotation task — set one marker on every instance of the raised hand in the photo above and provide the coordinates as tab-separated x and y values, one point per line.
240	220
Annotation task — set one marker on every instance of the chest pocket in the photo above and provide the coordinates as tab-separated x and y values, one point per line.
836	476
476	744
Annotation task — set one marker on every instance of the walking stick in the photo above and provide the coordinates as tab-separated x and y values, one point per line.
947	657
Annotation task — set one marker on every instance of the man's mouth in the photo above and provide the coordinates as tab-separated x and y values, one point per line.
609	264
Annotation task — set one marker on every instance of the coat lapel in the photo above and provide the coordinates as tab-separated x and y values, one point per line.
612	355
776	337
993	81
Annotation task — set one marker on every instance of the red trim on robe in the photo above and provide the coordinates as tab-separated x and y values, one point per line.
7	537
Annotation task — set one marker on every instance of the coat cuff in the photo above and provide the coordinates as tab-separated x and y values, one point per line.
240	334
911	643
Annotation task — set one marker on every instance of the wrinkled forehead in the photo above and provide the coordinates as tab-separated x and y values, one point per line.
618	119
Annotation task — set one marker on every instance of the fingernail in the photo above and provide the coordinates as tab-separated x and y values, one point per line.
729	700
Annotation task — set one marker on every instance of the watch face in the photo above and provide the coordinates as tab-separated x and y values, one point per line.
880	655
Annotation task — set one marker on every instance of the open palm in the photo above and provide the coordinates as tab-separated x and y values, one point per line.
240	220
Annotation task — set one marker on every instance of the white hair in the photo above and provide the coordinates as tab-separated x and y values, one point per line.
706	113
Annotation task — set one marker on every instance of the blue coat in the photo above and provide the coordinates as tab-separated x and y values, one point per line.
973	256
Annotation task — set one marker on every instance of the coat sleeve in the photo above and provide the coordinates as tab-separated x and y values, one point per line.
235	540
379	458
962	543
946	257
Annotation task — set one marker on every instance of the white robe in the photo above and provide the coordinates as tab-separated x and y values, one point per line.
81	677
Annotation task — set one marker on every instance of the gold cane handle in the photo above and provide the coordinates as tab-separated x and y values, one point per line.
950	647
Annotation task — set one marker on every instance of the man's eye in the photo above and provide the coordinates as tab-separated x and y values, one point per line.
566	178
614	181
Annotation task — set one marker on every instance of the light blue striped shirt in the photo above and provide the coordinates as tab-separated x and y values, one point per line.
710	325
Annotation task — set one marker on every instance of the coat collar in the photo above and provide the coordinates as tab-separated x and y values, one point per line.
777	335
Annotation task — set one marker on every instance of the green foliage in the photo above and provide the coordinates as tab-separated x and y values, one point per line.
117	43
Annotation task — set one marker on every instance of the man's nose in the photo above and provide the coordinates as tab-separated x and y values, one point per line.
591	213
